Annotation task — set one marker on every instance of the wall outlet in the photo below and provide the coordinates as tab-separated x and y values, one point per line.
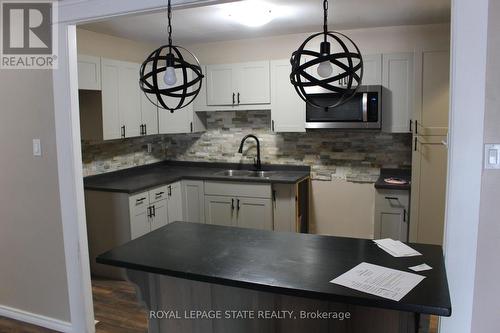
492	156
150	148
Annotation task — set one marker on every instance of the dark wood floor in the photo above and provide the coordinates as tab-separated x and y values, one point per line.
115	307
117	310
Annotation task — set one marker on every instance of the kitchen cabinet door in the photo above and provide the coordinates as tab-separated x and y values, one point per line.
129	102
193	201
139	215
372	69
180	121
149	115
397	92
288	110
219	210
252	83
159	214
174	201
110	99
89	72
220	85
255	213
391	214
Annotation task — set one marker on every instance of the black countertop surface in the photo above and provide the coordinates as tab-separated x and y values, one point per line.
138	179
396	173
278	262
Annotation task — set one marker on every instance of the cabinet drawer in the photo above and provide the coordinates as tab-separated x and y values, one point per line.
389	200
157	194
238	189
138	202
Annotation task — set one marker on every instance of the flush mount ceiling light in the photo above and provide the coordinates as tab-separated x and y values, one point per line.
336	68
250	13
171	76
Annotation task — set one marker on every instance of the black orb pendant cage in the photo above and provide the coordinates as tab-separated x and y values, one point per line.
349	61
154	67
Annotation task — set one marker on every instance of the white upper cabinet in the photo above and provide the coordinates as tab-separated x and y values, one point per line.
220	85
179	121
238	84
397	93
89	72
149	116
110	100
372	69
252	83
288	111
130	99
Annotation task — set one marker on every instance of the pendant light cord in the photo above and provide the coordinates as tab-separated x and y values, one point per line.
325	18
169	27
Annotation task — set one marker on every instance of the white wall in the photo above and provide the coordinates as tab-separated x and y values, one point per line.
32	273
486	313
353	214
469	33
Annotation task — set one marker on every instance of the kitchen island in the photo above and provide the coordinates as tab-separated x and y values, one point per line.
187	267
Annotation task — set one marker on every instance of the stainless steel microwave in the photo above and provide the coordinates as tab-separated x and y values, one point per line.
364	110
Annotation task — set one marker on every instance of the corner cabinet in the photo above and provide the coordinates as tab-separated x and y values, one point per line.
112	105
288	111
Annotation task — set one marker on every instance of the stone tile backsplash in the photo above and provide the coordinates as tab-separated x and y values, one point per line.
352	155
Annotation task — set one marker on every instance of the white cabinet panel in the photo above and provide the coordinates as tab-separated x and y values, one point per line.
254	213
110	100
193	201
397	94
89	72
174	201
220	85
159	213
288	111
252	83
391	214
139	216
130	99
149	116
219	210
372	69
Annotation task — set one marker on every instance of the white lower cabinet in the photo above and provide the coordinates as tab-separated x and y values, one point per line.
239	204
219	210
155	208
391	214
193	203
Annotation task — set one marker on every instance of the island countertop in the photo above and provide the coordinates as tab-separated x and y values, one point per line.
284	263
137	179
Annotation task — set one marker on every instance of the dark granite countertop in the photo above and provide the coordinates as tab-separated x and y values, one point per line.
396	173
280	262
140	178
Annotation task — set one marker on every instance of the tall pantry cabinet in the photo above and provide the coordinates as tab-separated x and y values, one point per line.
429	127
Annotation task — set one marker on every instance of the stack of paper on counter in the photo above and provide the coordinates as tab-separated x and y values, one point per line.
396	248
378	280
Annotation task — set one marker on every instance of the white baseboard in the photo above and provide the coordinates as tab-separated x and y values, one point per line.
35	319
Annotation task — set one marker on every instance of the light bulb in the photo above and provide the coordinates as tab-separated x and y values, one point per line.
170	78
325	69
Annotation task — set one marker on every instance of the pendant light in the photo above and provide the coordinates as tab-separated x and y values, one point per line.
337	68
168	77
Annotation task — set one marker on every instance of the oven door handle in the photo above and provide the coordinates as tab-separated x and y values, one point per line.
364	105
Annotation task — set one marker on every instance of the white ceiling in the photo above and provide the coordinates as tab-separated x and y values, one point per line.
212	23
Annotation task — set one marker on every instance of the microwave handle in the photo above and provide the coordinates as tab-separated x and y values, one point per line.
364	106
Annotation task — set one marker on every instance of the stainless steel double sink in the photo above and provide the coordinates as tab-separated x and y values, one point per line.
245	173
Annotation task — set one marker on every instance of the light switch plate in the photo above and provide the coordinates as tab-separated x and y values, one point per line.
492	156
37	147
